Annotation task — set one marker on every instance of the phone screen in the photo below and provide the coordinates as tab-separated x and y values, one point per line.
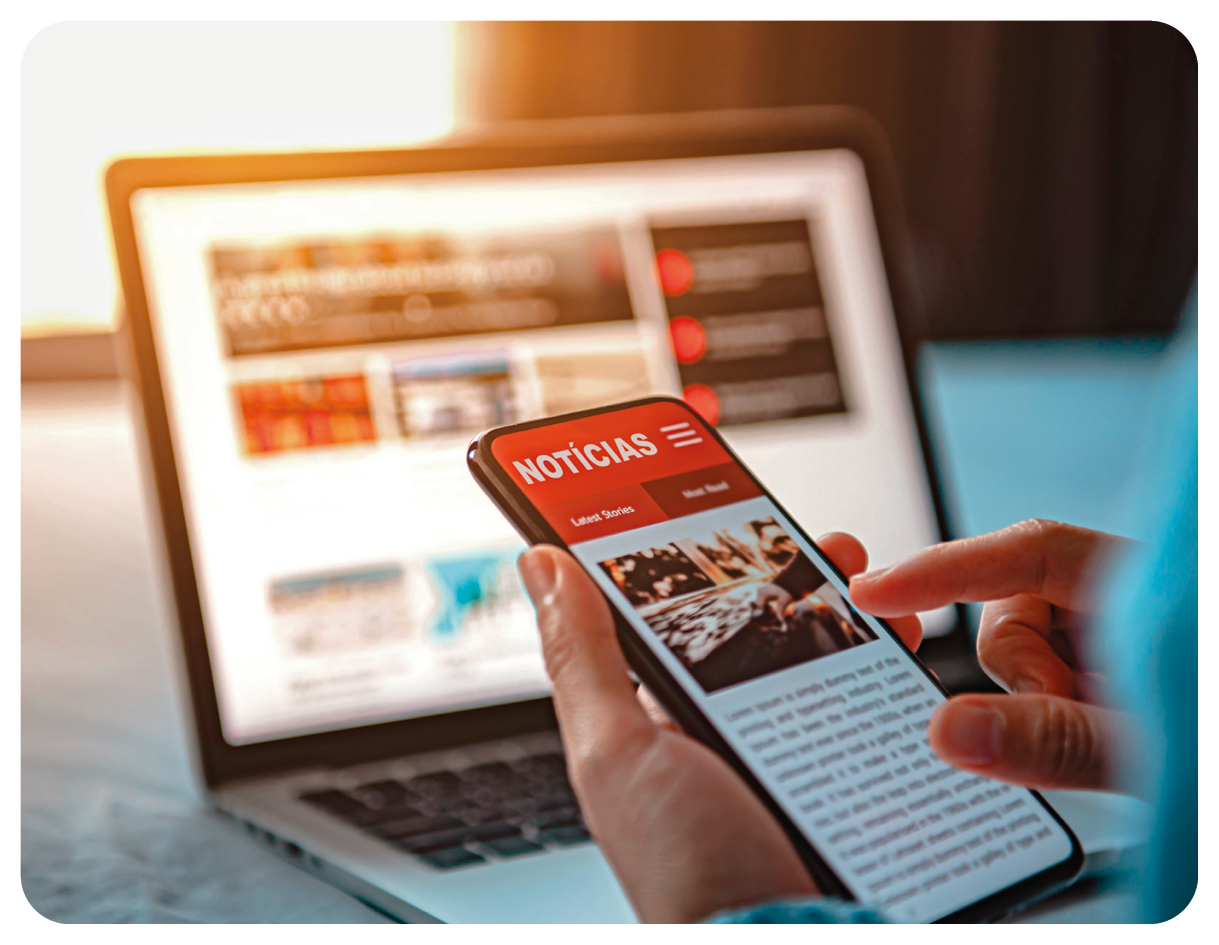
821	702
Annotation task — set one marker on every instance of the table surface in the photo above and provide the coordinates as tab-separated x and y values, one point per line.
113	828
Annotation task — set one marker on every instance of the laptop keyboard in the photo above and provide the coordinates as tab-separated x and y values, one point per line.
458	818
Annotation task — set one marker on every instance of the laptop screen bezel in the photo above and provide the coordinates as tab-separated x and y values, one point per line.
516	145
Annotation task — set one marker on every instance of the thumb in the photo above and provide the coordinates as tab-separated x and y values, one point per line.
1037	741
593	695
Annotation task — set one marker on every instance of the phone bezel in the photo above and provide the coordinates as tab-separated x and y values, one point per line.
534	529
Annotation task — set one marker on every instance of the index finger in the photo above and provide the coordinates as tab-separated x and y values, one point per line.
848	554
1047	559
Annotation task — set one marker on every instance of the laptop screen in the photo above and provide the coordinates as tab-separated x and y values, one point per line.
327	349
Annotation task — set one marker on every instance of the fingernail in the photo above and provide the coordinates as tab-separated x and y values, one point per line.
538	574
970	734
1026	685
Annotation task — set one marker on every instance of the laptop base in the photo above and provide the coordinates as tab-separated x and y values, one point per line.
558	884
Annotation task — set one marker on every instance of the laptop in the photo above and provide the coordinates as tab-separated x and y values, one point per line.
316	337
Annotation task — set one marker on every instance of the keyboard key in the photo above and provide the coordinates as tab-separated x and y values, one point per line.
451	857
551	782
414	825
534	805
550	761
489	773
487	832
558	818
436	783
452	804
425	842
512	846
565	836
390	815
488	815
525	805
382	794
340	804
498	794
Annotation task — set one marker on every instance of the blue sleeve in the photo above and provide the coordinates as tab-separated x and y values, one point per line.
1148	639
820	911
1148	646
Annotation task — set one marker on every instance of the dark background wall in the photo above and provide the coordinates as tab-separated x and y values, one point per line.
1049	170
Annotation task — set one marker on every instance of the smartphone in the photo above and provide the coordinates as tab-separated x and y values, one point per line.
745	631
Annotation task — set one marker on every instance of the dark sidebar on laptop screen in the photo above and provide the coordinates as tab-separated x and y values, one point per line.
327	349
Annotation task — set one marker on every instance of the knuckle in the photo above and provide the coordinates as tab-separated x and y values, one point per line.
1038	536
988	628
989	665
597	759
586	762
997	674
999	641
1036	529
560	651
1065	743
987	657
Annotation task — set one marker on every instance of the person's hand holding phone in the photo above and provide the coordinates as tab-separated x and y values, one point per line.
684	834
1035	579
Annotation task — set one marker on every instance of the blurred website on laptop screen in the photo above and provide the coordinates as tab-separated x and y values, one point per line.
329	348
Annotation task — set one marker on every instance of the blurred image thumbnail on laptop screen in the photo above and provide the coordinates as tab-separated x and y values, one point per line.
328	348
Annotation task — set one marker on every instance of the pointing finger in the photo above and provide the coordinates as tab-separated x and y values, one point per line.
849	555
1047	559
846	551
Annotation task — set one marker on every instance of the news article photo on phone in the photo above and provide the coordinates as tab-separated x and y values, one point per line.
730	614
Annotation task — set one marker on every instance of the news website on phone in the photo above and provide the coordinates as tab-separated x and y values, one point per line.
821	704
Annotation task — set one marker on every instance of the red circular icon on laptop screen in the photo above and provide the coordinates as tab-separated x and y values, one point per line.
674	271
702	398
689	339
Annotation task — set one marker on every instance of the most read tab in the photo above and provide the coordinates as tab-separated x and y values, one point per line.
622	470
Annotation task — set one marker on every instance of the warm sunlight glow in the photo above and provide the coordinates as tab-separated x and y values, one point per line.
92	92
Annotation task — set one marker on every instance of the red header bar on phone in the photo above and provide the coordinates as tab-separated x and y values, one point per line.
607	451
623	469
